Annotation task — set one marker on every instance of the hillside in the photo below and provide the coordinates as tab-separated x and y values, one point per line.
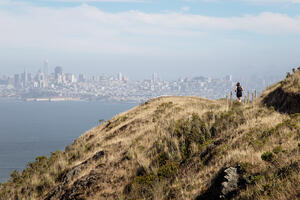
285	95
175	148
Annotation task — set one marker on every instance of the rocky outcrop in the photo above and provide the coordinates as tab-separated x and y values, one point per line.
79	187
225	185
231	182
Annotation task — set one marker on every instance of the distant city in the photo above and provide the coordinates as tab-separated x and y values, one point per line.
61	86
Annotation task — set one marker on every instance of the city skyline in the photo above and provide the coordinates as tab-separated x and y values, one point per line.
58	85
46	68
174	38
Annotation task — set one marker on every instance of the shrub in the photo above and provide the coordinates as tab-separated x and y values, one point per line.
89	147
161	109
54	157
267	156
168	170
254	178
16	176
141	187
277	149
299	145
146	180
227	120
43	185
257	144
191	131
271	108
161	159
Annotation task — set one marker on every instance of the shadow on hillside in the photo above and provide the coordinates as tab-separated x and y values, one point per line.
282	101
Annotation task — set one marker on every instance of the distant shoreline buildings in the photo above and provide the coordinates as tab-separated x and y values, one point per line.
60	86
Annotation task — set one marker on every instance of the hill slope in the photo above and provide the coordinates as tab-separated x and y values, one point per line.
173	148
285	95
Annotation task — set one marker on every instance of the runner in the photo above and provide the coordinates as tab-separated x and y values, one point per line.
239	91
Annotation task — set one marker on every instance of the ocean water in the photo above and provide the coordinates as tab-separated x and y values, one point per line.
31	129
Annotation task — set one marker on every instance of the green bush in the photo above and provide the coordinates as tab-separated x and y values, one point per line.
192	130
146	180
277	149
254	178
161	109
43	185
271	108
54	157
257	144
161	159
168	170
89	147
16	176
227	120
267	156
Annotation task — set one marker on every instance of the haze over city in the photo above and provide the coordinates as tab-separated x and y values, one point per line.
138	37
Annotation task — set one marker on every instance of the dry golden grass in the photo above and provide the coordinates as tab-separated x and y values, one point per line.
135	139
290	84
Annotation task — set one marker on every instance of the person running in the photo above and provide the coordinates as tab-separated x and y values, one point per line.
239	91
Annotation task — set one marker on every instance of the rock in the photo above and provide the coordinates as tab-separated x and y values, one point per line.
73	173
98	155
225	185
231	181
81	187
66	178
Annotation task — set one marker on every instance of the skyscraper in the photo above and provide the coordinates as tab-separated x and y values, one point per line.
228	78
58	71
24	78
17	80
82	78
155	77
46	64
120	76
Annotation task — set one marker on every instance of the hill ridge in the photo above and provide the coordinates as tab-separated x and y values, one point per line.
173	148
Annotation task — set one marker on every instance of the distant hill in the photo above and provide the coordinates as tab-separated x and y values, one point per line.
178	148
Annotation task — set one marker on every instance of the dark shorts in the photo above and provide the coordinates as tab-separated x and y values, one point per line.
239	94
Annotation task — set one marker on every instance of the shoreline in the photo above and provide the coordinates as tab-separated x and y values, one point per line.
66	99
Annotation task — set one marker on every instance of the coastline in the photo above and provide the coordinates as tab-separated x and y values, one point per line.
70	99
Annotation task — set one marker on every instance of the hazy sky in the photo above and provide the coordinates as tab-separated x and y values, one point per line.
137	37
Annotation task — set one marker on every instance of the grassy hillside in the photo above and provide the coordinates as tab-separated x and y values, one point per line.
285	95
173	148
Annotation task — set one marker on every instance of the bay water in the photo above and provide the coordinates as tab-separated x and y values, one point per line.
31	129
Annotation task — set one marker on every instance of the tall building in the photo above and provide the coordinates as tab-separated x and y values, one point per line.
155	77
25	78
70	78
228	78
58	72
17	80
82	78
120	76
46	65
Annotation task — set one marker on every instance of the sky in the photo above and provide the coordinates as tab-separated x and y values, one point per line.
175	38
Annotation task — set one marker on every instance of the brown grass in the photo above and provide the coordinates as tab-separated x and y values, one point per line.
148	137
